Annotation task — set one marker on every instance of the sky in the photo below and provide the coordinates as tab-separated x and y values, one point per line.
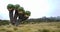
38	8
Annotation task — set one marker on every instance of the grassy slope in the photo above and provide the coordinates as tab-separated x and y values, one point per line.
41	27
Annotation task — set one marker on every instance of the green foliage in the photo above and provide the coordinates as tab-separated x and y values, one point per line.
17	6
28	13
21	9
15	28
45	30
4	22
9	6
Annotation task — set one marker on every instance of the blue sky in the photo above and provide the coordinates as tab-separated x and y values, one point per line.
38	8
54	7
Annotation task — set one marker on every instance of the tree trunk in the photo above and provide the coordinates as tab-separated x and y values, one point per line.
19	20
15	16
11	16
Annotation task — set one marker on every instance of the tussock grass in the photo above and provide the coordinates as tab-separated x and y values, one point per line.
37	27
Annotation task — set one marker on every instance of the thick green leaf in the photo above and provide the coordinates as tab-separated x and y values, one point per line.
21	9
28	13
17	6
10	6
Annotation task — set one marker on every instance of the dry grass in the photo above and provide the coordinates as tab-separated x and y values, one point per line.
41	27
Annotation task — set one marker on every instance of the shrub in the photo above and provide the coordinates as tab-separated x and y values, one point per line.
45	30
15	28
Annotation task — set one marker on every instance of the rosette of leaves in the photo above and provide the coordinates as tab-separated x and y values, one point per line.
10	7
27	13
17	6
21	10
